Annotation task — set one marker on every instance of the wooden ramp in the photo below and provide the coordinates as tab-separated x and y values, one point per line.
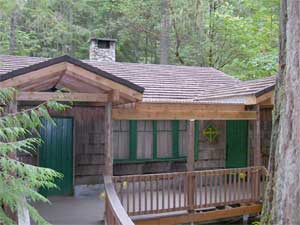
173	198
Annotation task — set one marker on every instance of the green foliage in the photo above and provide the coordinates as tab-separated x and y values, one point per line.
239	37
19	134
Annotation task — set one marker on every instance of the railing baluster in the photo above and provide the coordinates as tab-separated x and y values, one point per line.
151	194
196	189
145	195
239	184
210	188
133	194
169	200
140	194
179	191
200	189
205	189
157	195
225	188
216	187
127	193
174	191
163	192
249	192
234	185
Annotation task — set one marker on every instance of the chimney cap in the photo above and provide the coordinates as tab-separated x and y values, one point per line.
102	39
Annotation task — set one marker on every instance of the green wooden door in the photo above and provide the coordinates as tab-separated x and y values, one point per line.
56	153
236	144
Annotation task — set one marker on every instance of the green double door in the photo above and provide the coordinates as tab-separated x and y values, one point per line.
236	143
56	153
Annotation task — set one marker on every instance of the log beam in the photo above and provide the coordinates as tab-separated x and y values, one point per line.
58	96
257	150
190	145
108	170
181	114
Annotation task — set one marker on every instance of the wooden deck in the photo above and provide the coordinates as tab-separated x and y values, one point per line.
171	196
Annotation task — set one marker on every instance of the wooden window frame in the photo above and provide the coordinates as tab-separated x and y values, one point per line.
175	144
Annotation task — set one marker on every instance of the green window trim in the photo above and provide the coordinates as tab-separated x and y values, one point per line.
196	144
175	144
154	150
132	139
175	138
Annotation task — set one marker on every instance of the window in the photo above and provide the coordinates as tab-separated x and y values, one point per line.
121	139
144	140
164	139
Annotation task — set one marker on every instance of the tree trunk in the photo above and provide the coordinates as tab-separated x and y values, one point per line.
12	36
164	34
282	200
211	32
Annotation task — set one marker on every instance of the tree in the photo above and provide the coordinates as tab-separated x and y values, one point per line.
19	134
164	33
282	201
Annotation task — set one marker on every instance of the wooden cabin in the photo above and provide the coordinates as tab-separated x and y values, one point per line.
140	118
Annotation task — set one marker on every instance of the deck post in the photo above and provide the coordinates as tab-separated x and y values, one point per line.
190	165
257	151
108	170
190	145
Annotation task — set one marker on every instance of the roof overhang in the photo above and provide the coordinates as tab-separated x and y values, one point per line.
72	74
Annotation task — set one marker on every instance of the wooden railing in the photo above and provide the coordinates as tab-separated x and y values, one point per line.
114	211
169	192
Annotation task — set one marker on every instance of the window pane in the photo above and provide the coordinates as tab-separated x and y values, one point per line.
164	139
144	139
182	138
121	139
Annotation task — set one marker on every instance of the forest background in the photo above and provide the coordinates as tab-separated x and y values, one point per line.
238	37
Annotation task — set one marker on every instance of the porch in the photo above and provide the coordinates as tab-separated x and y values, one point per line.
66	210
184	197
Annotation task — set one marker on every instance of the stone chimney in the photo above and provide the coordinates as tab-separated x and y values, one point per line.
103	49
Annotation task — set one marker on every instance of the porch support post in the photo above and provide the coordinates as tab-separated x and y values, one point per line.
190	145
257	160
190	165
108	170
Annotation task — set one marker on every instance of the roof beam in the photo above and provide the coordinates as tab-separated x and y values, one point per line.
184	114
124	91
58	96
34	76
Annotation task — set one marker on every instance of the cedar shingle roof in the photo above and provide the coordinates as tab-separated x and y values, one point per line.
168	83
